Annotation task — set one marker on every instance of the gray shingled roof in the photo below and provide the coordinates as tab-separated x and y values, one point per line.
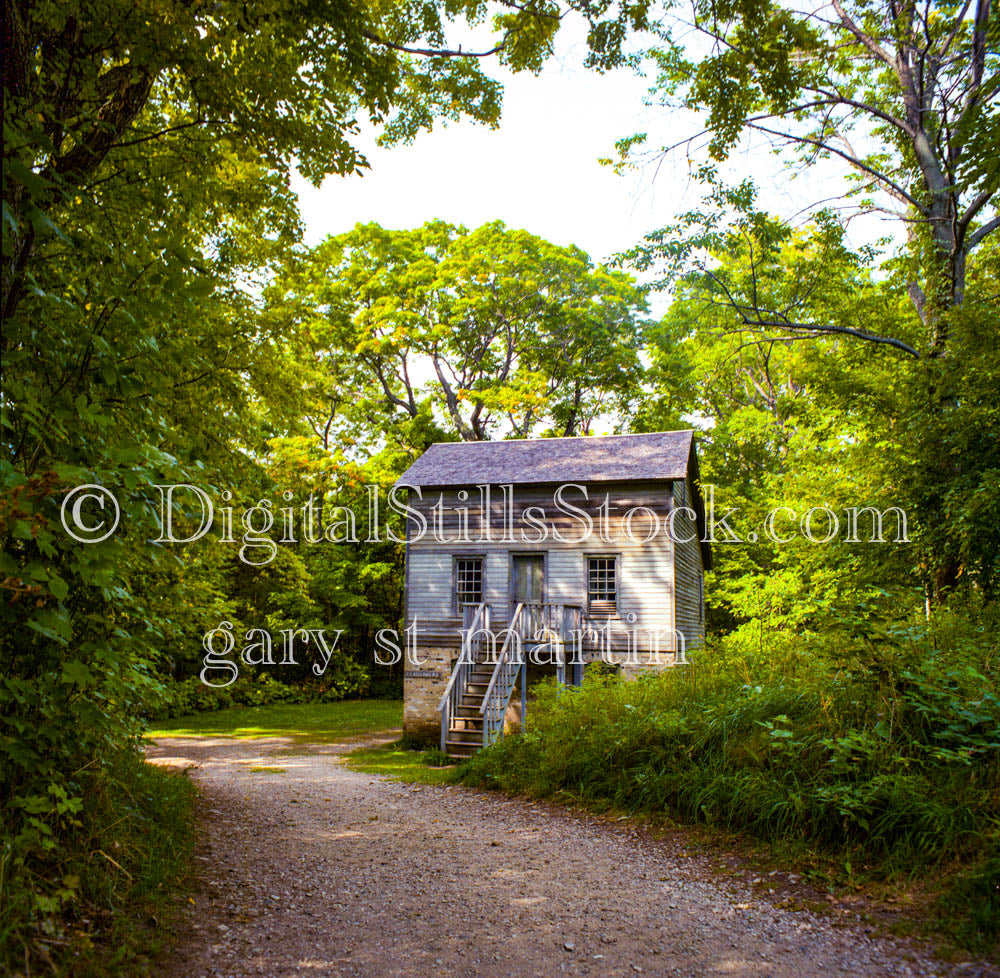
611	458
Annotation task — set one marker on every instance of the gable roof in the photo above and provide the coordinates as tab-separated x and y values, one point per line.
660	455
610	458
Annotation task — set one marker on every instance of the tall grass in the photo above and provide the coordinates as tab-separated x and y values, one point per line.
89	902
882	749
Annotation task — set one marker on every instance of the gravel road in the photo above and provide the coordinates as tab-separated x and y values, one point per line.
322	871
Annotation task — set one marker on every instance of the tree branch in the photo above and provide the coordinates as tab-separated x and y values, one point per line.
741	310
434	52
867	40
890	185
988	228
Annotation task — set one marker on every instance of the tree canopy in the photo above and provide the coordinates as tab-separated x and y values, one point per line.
498	331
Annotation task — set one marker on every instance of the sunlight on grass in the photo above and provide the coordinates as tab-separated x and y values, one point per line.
267	770
397	764
314	722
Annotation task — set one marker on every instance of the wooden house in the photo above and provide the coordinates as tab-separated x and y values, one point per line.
538	554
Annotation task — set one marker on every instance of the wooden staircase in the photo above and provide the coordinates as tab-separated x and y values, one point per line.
464	734
474	704
475	701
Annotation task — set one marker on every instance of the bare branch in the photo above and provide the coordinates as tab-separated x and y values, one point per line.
889	185
874	110
167	131
869	42
950	39
757	320
974	208
846	330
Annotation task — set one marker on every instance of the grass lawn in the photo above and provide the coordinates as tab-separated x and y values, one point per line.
397	764
316	722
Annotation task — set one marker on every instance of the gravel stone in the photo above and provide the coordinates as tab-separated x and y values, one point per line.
322	871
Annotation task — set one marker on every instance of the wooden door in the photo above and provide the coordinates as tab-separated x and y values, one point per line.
528	588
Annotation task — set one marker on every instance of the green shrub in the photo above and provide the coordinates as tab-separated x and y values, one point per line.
189	696
972	901
382	686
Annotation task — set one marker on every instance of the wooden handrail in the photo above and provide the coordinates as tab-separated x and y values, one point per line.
462	654
500	657
456	684
493	705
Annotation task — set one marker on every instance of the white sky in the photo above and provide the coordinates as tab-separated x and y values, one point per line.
539	170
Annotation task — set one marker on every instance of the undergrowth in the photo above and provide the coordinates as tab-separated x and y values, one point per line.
83	885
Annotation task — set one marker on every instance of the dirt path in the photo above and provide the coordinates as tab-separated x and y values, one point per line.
322	871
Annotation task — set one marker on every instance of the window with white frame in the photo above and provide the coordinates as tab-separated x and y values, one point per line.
468	581
602	584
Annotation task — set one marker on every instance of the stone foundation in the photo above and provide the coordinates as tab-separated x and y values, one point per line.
423	687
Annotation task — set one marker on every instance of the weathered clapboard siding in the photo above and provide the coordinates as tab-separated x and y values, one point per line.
645	567
430	584
622	497
688	573
495	586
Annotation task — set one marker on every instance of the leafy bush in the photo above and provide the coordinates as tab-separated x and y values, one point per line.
972	901
193	696
382	686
